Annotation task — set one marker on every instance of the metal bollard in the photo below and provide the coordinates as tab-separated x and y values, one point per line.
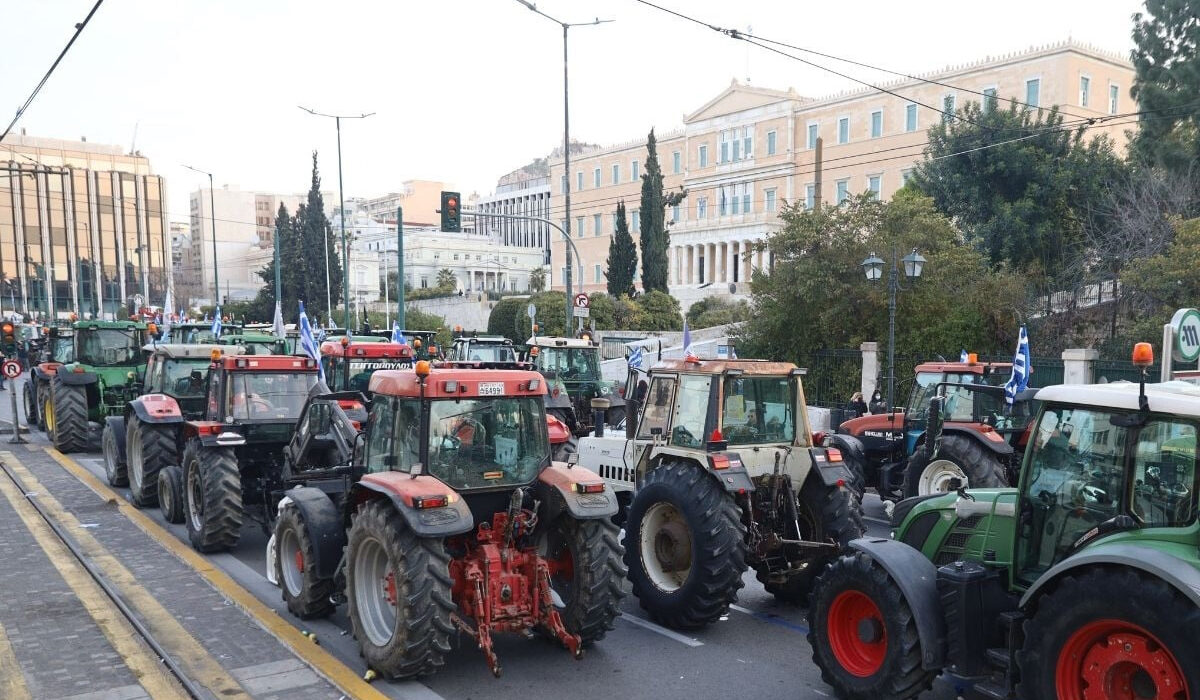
599	413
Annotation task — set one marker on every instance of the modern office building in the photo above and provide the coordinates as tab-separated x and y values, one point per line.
515	196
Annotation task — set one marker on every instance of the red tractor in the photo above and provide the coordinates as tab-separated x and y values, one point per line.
349	364
450	517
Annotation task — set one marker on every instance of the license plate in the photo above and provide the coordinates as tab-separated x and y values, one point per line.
491	388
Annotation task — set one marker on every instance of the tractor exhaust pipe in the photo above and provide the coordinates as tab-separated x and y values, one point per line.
599	413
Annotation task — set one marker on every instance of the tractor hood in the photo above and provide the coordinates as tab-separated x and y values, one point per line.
876	422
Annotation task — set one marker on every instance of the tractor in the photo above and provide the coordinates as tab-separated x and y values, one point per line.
719	472
879	447
1082	582
472	347
191	332
447	516
55	348
104	375
143	441
571	367
349	363
232	453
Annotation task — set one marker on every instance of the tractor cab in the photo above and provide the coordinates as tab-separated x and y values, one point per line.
254	343
349	364
258	389
109	343
199	332
181	372
571	367
472	347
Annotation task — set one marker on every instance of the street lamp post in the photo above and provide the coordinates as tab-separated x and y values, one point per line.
212	216
337	118
566	148
914	263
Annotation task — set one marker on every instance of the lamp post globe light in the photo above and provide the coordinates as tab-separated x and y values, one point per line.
914	264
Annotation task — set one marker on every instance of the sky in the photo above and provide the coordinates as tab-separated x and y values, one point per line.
462	91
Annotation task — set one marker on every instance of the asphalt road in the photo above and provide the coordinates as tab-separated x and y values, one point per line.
758	650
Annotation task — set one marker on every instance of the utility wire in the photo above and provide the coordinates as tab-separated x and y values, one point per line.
78	30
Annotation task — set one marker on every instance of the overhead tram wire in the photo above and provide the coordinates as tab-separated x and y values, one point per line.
78	30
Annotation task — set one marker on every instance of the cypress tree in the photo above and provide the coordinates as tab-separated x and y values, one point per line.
622	257
653	234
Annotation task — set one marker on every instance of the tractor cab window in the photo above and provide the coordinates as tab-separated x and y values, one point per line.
485	352
153	380
659	399
62	350
926	388
1164	474
360	372
109	346
483	443
183	378
691	410
268	395
758	410
571	364
381	429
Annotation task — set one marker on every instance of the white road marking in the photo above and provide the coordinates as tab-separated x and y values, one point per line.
669	634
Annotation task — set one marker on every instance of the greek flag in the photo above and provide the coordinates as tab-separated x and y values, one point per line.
397	334
216	325
1021	370
962	356
689	353
635	358
308	343
277	327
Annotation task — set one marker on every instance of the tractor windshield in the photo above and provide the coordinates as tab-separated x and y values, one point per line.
185	378
486	442
486	352
62	350
926	387
268	395
757	410
108	346
360	371
571	364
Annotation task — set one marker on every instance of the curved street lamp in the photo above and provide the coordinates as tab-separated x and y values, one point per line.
914	264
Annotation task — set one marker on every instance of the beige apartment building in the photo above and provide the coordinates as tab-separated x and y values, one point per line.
750	149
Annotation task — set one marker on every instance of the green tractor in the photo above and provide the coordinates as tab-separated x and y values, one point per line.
1084	582
105	375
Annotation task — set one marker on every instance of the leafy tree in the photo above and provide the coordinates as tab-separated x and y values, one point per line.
717	311
622	257
446	279
660	312
1021	200
1162	283
504	317
1166	62
551	314
537	279
654	240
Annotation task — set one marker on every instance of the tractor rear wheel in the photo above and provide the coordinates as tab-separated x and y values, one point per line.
685	546
398	585
563	450
1092	637
170	493
863	633
212	496
306	594
67	417
825	514
958	457
114	469
149	448
29	394
586	574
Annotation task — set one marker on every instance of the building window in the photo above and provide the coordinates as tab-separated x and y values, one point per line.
748	142
769	195
989	99
564	275
579	227
747	191
596	177
877	123
723	202
813	133
724	147
910	117
874	185
616	173
564	182
948	107
702	155
675	213
770	143
597	275
844	130
677	162
635	172
702	208
579	180
636	221
1114	94
424	282
810	196
1085	87
456	256
597	223
843	191
1033	89
905	175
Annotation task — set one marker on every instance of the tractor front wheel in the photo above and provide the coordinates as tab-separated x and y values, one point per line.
29	394
212	496
170	493
1111	633
586	574
67	416
306	594
958	457
149	448
863	633
685	546
114	468
398	585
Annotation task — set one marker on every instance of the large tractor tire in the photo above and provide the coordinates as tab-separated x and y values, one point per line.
67	417
958	457
307	595
398	585
825	514
586	574
115	469
29	396
1111	633
685	546
170	493
863	633
212	496
563	450
148	448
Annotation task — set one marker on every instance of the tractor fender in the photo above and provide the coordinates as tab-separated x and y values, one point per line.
324	524
77	378
400	488
991	440
156	408
46	370
555	487
1155	562
212	433
117	423
832	473
734	478
559	432
917	579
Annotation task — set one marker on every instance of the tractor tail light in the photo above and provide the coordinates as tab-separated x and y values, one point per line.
423	502
597	487
833	454
718	461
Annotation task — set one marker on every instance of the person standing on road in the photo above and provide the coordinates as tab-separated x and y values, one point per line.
857	407
878	405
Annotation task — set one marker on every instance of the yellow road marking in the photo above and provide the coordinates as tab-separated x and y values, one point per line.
315	656
199	665
12	683
120	634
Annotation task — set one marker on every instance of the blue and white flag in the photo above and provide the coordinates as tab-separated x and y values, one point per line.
216	324
635	358
397	334
277	327
1021	370
308	343
962	356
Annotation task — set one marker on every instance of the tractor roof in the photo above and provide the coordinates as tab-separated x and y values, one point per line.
458	382
484	339
1178	398
109	325
371	348
756	367
965	367
268	363
550	342
180	351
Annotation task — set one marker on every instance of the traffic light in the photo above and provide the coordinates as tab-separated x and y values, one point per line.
451	221
9	333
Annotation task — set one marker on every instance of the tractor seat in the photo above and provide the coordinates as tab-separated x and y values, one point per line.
318	451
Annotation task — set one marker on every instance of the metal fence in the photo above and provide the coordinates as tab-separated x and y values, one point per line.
1117	370
613	347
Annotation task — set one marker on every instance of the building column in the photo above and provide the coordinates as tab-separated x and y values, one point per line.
735	275
747	261
710	263
723	269
689	263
